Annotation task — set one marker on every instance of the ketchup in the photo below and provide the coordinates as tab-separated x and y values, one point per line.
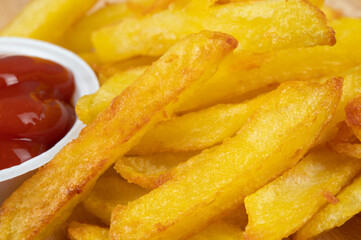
35	108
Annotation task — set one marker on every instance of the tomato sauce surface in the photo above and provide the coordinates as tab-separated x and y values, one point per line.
35	108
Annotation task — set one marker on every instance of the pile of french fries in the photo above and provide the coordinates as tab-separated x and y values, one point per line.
214	120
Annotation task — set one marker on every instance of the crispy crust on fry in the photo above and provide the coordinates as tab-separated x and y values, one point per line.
218	179
353	113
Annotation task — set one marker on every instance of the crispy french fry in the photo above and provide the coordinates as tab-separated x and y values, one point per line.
223	120
146	171
47	20
280	208
78	37
245	73
217	231
65	181
197	130
110	191
89	106
349	204
260	26
217	180
353	115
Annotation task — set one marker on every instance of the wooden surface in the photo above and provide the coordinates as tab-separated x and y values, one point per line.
9	8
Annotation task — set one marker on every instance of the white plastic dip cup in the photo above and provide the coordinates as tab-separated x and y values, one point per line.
86	82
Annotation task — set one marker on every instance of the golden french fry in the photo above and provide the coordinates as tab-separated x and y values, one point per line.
88	107
217	180
217	231
280	208
65	180
109	191
240	74
192	131
353	115
78	37
197	130
147	171
259	26
331	216
246	73
47	20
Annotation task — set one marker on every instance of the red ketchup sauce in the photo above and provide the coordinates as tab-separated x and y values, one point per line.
35	108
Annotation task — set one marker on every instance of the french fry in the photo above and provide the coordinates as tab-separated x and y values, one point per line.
47	20
174	135
110	191
349	204
65	181
353	115
88	107
78	37
146	171
197	130
260	26
280	208
217	180
245	73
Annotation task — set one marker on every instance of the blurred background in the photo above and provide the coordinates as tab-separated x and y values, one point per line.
9	8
